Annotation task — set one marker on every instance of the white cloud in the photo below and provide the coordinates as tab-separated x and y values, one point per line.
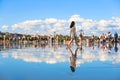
76	18
24	26
5	27
88	24
58	25
50	20
51	25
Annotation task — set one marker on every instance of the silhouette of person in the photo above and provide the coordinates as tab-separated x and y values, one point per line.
109	46
80	37
73	57
115	47
115	36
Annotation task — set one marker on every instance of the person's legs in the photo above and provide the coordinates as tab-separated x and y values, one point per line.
80	40
70	42
76	41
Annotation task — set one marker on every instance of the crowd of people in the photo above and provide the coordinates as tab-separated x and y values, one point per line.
79	39
108	37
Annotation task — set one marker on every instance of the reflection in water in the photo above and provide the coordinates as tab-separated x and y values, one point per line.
73	57
116	47
57	53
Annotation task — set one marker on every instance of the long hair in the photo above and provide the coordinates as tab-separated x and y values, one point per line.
72	24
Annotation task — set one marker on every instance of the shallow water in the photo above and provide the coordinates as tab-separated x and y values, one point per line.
52	62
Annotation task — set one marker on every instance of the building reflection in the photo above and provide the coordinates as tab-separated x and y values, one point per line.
56	53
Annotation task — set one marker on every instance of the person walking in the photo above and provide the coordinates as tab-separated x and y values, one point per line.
72	34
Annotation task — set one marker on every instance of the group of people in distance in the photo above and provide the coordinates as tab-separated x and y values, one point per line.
108	37
73	35
103	38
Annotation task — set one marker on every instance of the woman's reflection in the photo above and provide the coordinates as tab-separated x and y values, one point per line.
73	57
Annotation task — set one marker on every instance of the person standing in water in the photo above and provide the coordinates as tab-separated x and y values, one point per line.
73	33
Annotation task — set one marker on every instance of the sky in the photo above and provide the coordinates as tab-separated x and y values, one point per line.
49	16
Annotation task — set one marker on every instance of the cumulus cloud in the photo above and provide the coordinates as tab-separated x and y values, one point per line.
50	20
47	26
5	27
25	25
51	25
76	18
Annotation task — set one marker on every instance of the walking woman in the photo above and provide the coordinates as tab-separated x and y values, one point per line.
73	33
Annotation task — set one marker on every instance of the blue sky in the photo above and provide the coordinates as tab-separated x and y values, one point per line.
19	11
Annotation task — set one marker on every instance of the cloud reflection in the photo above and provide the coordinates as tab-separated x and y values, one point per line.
50	56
